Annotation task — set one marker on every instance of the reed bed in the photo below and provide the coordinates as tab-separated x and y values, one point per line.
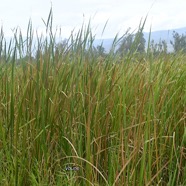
72	118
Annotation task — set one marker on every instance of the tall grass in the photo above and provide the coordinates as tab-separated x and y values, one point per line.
71	118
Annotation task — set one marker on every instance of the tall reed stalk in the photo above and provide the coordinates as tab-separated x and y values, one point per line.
69	117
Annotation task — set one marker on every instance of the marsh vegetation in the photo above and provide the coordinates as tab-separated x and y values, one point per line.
69	117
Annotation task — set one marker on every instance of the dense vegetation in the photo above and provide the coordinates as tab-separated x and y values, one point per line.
73	117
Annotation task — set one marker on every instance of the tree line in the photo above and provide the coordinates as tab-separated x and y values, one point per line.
129	44
136	43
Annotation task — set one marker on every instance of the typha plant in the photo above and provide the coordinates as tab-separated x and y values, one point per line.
69	118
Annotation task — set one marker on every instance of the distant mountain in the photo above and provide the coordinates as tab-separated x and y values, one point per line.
166	35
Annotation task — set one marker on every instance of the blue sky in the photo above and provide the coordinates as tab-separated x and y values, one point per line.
70	14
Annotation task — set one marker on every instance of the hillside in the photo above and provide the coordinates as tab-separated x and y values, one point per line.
166	35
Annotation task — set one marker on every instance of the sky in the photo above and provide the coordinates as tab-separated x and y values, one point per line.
71	14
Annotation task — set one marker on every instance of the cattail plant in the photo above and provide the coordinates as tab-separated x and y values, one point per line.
69	118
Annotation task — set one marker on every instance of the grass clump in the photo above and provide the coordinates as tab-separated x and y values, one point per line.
69	117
